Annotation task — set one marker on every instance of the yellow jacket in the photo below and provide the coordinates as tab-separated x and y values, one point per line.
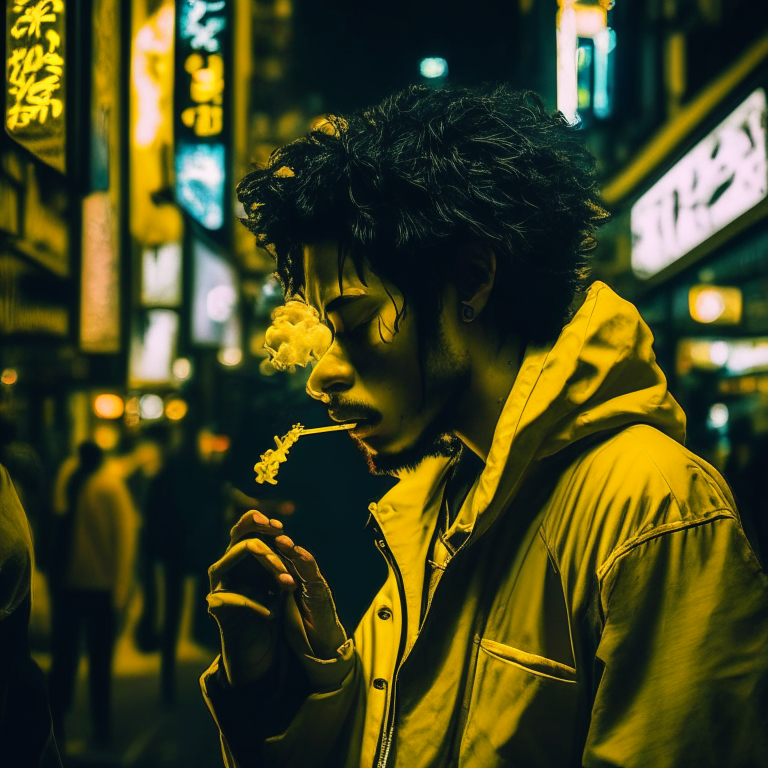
598	603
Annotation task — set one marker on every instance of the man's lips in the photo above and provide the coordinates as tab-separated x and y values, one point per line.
365	424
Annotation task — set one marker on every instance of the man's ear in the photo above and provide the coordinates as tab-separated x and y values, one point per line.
475	275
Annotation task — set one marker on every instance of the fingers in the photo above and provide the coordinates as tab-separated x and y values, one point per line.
222	605
254	522
249	548
305	566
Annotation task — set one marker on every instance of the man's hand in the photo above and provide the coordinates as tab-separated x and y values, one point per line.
245	600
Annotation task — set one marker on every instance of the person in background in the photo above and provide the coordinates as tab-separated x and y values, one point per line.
91	578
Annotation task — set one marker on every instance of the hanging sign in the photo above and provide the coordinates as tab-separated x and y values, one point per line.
201	78
35	101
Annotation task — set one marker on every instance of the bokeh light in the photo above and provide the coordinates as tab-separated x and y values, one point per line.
433	67
176	409
151	407
9	376
108	406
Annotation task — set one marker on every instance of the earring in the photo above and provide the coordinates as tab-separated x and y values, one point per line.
468	313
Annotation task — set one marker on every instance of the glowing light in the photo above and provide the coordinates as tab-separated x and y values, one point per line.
200	182
202	33
220	303
150	74
132	406
718	415
176	409
161	276
230	356
106	436
108	406
748	355
567	82
153	347
100	318
9	377
605	42
151	407
715	304
721	178
35	66
182	368
590	19
214	295
718	352
433	67
708	306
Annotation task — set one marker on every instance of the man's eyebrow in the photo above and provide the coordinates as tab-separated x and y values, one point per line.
341	301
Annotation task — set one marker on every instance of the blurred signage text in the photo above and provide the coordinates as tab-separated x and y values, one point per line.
201	40
722	177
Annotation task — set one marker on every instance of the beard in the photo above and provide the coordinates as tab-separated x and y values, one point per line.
445	371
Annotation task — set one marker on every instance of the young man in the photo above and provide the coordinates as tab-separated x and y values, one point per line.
568	585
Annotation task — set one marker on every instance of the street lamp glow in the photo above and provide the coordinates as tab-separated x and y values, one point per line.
433	67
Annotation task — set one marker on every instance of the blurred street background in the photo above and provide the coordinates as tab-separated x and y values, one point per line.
133	304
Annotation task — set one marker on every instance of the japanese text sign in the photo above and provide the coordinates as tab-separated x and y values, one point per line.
35	88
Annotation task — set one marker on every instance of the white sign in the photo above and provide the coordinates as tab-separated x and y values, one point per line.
723	176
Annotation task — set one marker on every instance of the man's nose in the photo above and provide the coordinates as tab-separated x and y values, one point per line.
332	373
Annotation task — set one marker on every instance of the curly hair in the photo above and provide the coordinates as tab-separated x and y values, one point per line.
402	185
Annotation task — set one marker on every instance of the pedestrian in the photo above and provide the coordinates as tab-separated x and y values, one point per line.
91	580
567	583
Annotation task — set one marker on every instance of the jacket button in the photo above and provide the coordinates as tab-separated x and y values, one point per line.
382	544
380	683
384	613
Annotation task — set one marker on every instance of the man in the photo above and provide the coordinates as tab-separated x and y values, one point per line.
568	585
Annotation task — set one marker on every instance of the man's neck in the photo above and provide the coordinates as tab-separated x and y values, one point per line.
493	373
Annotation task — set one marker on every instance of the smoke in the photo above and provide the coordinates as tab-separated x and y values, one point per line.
295	337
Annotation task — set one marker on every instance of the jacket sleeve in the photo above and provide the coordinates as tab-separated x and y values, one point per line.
297	717
684	651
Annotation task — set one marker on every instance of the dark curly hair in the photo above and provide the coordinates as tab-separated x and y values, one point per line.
403	185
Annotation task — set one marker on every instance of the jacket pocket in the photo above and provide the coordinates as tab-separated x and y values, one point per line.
523	711
530	662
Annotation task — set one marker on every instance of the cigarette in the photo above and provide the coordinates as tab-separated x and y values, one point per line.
335	428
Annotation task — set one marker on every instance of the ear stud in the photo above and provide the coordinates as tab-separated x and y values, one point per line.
467	313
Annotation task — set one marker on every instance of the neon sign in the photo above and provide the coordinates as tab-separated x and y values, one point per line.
201	82
722	177
34	114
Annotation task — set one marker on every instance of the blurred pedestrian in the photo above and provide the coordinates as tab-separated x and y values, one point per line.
26	733
92	573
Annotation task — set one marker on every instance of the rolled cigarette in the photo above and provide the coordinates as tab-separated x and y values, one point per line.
335	428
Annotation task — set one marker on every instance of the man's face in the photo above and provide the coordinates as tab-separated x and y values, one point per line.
373	375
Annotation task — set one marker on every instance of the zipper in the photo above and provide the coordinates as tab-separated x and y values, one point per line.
388	724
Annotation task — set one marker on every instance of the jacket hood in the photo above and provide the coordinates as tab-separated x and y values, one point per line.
598	376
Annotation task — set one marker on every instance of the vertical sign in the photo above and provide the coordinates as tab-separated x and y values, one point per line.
34	78
201	156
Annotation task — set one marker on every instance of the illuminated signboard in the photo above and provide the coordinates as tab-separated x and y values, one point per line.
153	348
161	275
722	177
34	88
215	314
201	41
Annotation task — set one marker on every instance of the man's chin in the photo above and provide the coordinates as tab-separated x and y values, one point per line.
383	462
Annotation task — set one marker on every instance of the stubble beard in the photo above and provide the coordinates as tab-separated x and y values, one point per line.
446	371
